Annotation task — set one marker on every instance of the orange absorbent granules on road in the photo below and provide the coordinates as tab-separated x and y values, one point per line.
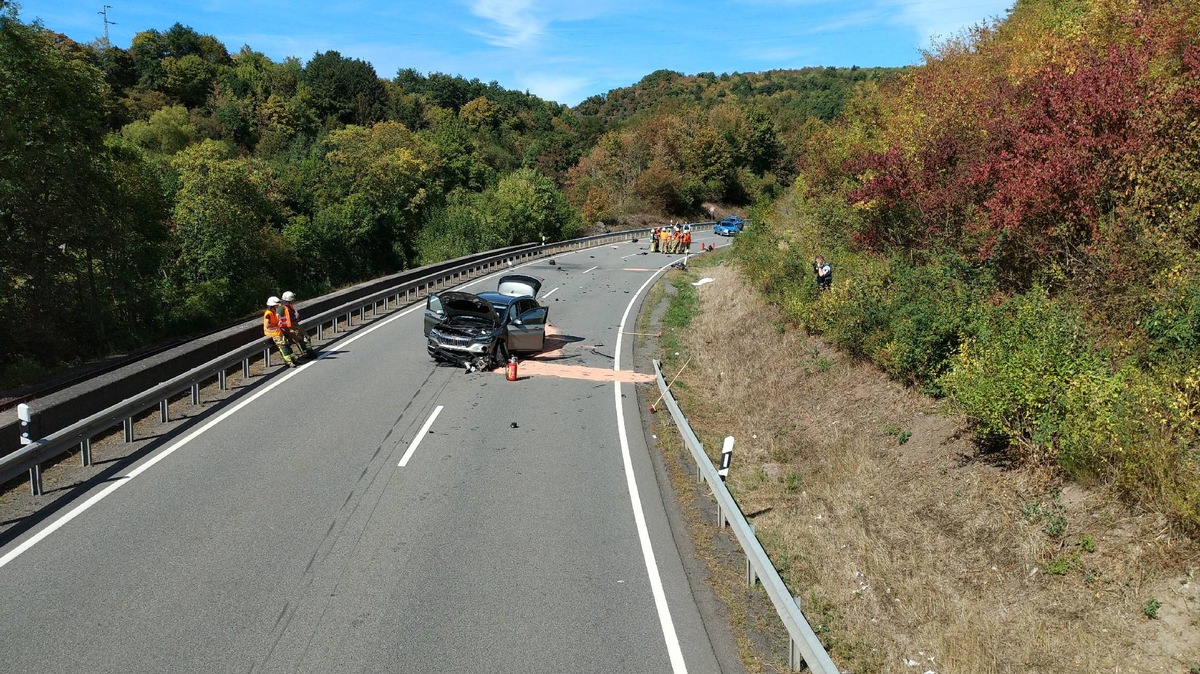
536	368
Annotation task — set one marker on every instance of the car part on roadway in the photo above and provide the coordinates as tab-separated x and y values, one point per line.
654	405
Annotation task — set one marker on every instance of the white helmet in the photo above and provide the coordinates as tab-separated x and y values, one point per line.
288	296
272	301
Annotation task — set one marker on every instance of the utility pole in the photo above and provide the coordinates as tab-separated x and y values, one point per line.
104	13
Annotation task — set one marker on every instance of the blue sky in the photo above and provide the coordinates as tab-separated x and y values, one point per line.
561	50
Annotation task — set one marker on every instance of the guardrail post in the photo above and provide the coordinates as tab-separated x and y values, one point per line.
266	360
164	410
85	452
196	393
128	428
35	480
245	368
751	577
320	331
221	379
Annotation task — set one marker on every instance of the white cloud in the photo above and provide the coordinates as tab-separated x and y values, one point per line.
518	24
933	18
558	88
837	23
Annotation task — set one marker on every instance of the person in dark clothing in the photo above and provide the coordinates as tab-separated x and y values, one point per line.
824	273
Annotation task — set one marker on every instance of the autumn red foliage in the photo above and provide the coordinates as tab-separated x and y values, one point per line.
1020	169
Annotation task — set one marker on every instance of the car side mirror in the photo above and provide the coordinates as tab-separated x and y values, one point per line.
517	322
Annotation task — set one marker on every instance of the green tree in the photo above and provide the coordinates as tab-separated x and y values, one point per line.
345	90
80	221
151	49
372	191
168	131
457	228
188	79
229	221
527	206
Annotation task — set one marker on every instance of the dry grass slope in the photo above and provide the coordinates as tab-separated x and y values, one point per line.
921	554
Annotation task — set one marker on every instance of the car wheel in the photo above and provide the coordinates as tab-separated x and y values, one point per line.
500	354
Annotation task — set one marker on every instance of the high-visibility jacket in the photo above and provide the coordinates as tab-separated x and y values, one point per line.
285	316
271	323
294	311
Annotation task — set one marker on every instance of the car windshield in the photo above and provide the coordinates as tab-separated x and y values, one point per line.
500	303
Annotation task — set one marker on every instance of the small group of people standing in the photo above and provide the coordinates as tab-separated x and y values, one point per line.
281	322
672	239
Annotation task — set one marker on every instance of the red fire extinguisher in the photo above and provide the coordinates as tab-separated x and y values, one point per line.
512	368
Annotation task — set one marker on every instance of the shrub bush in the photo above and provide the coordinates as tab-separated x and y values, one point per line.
1012	372
1025	368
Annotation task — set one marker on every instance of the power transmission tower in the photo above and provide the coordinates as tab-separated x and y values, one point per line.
104	13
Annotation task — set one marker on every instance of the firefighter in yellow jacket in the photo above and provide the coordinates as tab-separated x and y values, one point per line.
272	329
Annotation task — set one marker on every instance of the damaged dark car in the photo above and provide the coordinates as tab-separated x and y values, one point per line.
481	331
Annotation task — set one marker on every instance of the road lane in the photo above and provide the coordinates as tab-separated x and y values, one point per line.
287	539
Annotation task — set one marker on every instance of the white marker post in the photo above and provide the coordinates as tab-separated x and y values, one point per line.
726	457
25	416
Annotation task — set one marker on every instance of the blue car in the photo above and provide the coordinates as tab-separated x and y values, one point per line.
729	226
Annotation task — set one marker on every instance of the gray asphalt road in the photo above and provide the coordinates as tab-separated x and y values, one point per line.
285	537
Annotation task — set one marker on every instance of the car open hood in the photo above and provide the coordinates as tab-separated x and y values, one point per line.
466	304
519	285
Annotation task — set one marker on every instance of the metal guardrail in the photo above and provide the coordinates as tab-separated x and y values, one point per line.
803	648
31	457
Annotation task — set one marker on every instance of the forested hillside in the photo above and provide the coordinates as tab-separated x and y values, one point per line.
1013	224
172	186
679	141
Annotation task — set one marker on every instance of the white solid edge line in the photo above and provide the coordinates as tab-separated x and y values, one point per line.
656	585
121	480
124	479
420	436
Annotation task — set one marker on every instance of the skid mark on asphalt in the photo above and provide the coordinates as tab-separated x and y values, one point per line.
337	530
